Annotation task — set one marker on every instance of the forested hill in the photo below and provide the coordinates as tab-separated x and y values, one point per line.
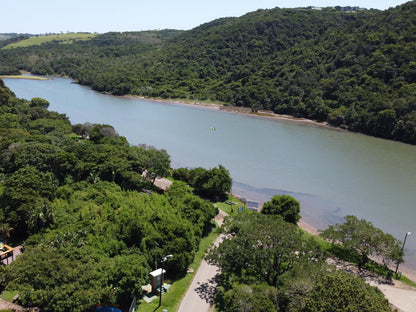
356	70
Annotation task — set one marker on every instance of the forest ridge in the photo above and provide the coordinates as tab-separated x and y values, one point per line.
354	70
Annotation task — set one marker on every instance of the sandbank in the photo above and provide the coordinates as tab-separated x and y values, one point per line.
239	110
23	77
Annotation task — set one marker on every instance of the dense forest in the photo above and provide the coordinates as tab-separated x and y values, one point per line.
93	226
354	70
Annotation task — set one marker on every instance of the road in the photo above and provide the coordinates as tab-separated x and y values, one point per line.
200	294
401	298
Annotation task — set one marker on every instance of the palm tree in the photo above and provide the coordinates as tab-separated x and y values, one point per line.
41	216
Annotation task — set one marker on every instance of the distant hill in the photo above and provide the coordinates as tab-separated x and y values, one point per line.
60	38
4	37
351	68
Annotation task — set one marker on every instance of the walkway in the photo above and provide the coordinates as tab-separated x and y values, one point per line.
401	298
200	294
6	305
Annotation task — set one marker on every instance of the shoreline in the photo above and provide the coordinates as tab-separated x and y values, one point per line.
23	77
308	227
411	273
267	114
408	272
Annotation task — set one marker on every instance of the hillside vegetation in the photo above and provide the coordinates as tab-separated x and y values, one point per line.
94	227
352	70
91	223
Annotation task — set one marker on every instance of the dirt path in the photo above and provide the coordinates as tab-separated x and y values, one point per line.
200	294
6	305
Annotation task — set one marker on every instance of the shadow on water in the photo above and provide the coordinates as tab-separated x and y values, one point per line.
314	210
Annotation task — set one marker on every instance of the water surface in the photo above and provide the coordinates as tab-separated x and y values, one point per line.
332	173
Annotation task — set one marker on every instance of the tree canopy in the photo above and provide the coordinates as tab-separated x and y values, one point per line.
283	205
364	238
260	246
212	183
267	264
352	70
76	197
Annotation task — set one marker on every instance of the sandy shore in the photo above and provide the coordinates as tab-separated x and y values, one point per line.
310	228
240	110
23	77
411	274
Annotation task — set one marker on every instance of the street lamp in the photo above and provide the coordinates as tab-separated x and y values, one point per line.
404	242
164	259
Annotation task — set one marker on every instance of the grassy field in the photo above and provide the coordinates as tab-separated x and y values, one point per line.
62	38
230	206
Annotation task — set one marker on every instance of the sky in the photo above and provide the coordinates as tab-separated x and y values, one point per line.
56	16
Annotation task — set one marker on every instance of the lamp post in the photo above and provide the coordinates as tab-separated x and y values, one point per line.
404	242
164	259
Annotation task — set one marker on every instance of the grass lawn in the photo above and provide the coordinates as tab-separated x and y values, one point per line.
172	299
62	38
8	295
230	206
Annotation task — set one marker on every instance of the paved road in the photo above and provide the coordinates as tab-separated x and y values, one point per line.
199	296
402	299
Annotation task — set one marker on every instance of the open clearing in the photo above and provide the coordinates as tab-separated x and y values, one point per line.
61	38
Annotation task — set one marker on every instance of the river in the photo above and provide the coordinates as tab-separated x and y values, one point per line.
331	172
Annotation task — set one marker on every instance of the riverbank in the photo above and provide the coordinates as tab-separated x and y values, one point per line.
401	296
24	77
308	207
239	110
311	225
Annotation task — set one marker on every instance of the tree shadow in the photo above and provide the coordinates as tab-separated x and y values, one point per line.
206	291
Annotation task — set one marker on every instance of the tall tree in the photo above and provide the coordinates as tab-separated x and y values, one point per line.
364	238
261	246
283	205
338	291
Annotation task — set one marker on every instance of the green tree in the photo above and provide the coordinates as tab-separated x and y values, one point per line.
212	183
338	291
253	298
62	279
363	237
22	192
155	163
261	247
5	93
39	102
283	205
